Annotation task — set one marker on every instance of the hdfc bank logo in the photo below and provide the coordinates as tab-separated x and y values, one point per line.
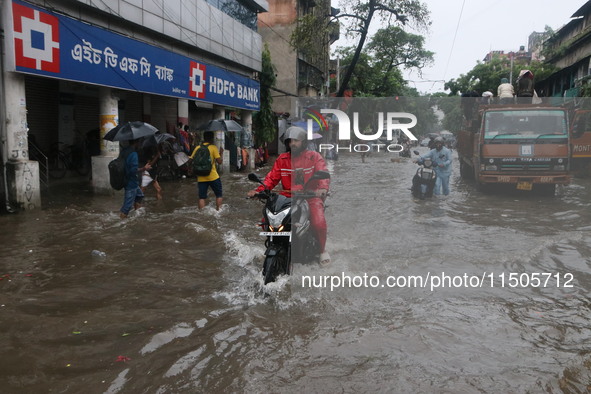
197	80
36	39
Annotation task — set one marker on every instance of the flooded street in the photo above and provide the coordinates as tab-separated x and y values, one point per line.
171	300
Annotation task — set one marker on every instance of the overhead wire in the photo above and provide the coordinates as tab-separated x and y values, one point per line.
453	41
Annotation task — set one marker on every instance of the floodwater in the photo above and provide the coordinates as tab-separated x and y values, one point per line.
171	300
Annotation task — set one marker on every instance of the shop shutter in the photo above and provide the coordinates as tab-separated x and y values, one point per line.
86	114
42	110
132	107
164	113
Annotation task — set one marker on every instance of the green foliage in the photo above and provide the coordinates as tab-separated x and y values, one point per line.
450	106
393	47
310	36
377	72
551	50
370	80
585	89
264	121
487	76
359	15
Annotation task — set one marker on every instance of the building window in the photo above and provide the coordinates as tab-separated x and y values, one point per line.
238	11
309	75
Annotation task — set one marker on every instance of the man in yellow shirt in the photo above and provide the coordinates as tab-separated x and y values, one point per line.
213	179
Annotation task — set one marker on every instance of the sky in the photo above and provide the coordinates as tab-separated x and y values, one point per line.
464	31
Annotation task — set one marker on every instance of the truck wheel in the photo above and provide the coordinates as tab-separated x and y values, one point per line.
466	171
480	186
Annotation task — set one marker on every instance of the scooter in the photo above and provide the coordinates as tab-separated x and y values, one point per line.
405	152
423	182
286	225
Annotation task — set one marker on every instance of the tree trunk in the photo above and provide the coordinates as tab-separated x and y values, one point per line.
351	68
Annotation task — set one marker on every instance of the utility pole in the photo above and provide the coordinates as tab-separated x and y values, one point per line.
338	73
511	70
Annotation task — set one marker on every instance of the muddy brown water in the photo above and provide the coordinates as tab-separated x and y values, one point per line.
173	303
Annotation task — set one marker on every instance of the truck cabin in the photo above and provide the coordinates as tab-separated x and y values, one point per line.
538	125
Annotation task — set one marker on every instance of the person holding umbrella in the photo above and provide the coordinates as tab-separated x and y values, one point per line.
133	196
151	152
133	132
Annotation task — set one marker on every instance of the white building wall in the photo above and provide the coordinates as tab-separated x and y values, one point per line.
193	22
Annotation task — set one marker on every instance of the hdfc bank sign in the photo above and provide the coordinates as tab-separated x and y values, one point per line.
391	122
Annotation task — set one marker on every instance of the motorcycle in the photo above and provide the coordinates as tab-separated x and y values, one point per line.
405	150
423	182
287	228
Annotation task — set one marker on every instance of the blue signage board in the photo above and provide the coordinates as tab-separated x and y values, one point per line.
56	46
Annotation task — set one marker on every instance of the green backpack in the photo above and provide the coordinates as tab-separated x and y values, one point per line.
202	161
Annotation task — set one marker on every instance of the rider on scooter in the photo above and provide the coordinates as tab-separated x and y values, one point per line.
441	158
295	163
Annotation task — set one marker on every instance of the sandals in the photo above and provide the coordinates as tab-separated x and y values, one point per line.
324	259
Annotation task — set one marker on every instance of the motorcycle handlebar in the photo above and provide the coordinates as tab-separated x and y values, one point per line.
305	194
265	195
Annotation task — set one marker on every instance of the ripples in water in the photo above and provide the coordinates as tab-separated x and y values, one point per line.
179	295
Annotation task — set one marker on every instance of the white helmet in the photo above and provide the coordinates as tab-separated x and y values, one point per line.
439	139
295	133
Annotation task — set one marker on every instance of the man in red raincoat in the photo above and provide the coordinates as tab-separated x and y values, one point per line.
298	161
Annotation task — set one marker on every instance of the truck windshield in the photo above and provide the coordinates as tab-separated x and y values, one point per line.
538	124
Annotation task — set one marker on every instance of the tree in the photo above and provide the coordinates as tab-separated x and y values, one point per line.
264	119
393	47
377	72
487	76
370	80
452	121
361	13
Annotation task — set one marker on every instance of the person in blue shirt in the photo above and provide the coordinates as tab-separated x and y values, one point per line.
441	158
133	193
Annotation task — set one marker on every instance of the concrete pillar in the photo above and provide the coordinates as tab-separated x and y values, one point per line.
220	140
183	111
247	140
109	118
22	174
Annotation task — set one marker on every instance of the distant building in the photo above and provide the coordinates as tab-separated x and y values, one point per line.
520	56
535	44
569	49
301	73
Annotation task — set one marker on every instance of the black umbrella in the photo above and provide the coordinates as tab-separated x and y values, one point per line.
221	125
130	131
157	138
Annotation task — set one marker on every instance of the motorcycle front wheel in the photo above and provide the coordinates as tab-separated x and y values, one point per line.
275	266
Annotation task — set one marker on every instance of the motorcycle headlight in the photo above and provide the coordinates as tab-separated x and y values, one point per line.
275	220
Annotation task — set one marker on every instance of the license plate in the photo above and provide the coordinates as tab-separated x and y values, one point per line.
524	185
276	233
